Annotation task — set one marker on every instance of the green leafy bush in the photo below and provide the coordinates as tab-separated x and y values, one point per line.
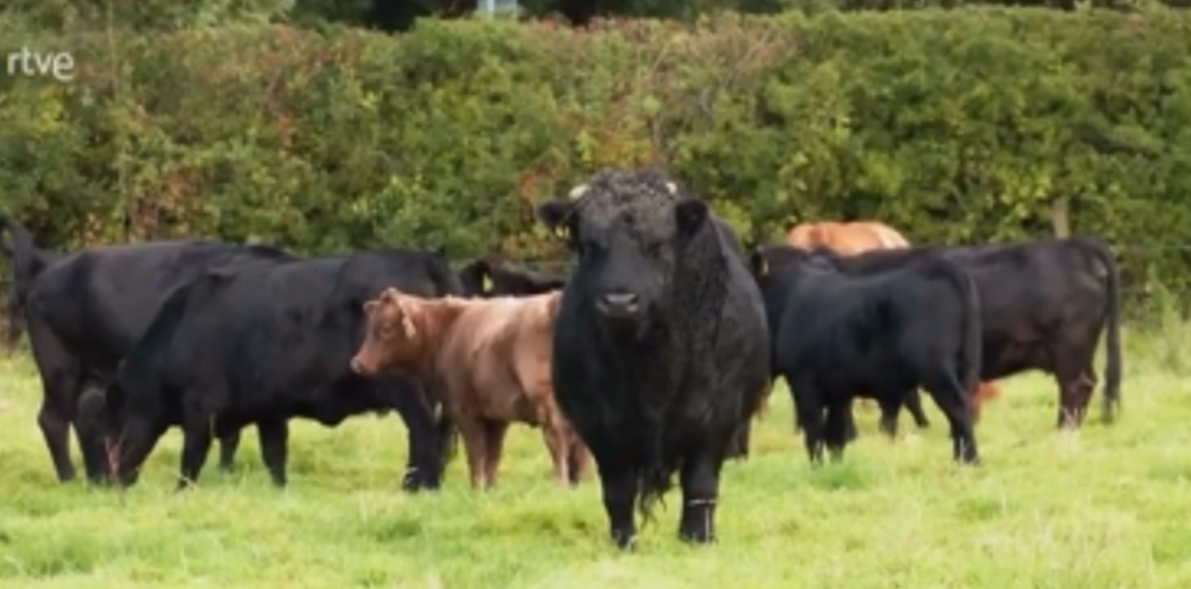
956	126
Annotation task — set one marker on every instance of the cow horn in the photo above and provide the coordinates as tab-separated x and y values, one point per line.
672	187
578	192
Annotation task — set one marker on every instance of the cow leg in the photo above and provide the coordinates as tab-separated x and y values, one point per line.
890	406
429	437
913	402
494	446
951	399
700	480
739	447
55	418
91	447
196	444
61	386
1076	378
850	431
558	444
742	439
578	460
620	492
475	442
274	439
808	408
448	438
228	445
835	433
55	428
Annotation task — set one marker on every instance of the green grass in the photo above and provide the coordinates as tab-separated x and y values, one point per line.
1105	507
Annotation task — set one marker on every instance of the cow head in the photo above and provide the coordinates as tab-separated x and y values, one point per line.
778	266
632	231
769	261
393	333
493	276
476	277
99	423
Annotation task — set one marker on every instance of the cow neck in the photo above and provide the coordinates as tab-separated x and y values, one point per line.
438	319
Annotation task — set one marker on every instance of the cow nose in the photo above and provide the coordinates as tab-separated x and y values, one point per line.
357	366
618	304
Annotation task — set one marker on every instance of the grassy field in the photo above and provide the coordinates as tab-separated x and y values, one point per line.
1105	507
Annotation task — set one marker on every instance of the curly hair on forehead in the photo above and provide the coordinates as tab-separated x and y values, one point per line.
643	190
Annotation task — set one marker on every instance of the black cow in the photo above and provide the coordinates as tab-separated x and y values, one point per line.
837	336
660	349
27	262
85	310
261	342
1044	304
493	276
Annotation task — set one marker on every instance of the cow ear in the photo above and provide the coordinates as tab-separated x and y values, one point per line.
690	215
559	217
369	307
758	264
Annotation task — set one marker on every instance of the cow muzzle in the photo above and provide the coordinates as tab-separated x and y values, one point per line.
360	367
619	305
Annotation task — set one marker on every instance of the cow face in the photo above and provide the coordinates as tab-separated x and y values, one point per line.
391	335
776	267
630	232
476	278
771	262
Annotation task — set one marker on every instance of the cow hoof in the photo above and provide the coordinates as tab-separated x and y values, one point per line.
625	541
415	480
969	460
697	537
420	486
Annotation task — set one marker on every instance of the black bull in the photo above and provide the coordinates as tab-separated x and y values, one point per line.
660	349
493	276
263	341
1044	305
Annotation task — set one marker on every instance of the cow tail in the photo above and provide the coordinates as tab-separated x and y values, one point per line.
1112	368
25	267
973	333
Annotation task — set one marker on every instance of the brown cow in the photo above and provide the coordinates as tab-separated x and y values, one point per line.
846	239
491	358
849	239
